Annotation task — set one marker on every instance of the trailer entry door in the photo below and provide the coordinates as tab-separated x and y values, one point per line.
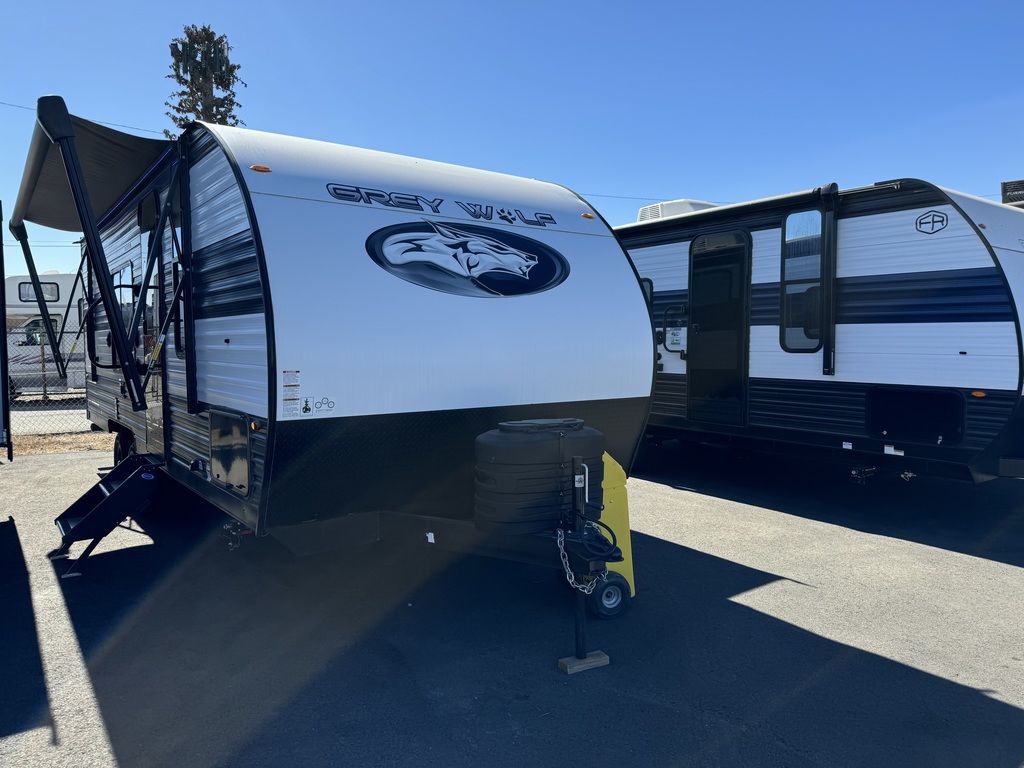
716	361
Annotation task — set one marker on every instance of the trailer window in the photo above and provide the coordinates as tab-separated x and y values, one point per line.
150	317
124	290
179	312
802	296
648	288
34	330
124	295
51	292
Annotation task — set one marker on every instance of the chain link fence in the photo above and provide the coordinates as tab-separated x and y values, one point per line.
43	402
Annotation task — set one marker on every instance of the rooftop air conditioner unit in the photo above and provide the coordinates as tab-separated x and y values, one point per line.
1013	193
672	208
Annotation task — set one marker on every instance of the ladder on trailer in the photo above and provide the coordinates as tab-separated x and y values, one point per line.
129	488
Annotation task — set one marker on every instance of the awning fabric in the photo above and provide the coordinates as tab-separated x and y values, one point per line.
111	162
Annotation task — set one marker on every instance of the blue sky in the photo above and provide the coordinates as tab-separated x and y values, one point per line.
722	101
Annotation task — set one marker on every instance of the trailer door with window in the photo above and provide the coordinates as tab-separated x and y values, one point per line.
717	329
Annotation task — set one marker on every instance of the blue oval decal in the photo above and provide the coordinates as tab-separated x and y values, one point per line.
466	259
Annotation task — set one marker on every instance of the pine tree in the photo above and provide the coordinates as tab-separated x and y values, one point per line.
201	66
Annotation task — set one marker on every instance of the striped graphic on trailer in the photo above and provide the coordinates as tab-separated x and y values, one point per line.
942	296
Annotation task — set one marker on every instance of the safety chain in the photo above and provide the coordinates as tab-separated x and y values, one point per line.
587	587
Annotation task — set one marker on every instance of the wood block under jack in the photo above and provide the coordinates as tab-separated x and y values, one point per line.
570	665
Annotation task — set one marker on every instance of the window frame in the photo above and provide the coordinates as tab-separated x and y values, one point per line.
33	299
819	282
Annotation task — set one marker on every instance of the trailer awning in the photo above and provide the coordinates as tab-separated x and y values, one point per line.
112	161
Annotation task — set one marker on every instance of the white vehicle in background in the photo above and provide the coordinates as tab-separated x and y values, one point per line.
32	368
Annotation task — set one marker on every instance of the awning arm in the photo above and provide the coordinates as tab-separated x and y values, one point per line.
67	309
155	250
54	126
51	333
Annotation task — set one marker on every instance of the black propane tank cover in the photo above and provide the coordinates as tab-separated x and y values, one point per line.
541	425
524	478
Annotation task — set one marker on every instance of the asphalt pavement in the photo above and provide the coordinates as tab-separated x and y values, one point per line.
784	618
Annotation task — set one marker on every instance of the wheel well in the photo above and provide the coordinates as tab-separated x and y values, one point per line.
114	427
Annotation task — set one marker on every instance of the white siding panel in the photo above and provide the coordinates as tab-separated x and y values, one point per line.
233	375
766	259
925	354
218	209
668	266
1003	225
1012	264
889	243
384	345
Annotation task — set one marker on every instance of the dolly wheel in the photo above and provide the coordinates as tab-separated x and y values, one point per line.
124	446
611	598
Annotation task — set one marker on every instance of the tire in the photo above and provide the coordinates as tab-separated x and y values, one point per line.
124	446
611	598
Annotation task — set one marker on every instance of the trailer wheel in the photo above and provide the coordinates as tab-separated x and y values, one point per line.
611	598
124	446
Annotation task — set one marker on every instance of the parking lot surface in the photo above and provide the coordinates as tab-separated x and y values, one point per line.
784	618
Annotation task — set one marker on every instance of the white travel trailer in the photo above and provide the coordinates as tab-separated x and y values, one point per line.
57	288
32	363
299	331
880	324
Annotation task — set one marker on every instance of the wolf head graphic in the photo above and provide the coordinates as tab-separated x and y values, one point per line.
462	253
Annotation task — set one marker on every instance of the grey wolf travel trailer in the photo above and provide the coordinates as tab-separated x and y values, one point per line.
880	324
333	326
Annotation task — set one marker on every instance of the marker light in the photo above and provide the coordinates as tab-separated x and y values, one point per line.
587	215
978	393
260	168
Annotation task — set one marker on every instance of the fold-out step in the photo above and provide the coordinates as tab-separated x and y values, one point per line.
123	492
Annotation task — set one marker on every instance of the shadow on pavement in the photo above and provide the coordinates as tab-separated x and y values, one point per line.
985	520
386	656
23	701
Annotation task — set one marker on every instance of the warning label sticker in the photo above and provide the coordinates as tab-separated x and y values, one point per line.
292	378
295	405
316	406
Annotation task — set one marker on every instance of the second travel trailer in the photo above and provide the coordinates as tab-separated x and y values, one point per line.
33	368
880	324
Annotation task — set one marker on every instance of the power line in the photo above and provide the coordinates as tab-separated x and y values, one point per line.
101	122
622	197
37	245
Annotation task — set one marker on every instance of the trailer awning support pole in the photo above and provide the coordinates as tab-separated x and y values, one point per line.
67	309
44	311
56	122
155	249
162	334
